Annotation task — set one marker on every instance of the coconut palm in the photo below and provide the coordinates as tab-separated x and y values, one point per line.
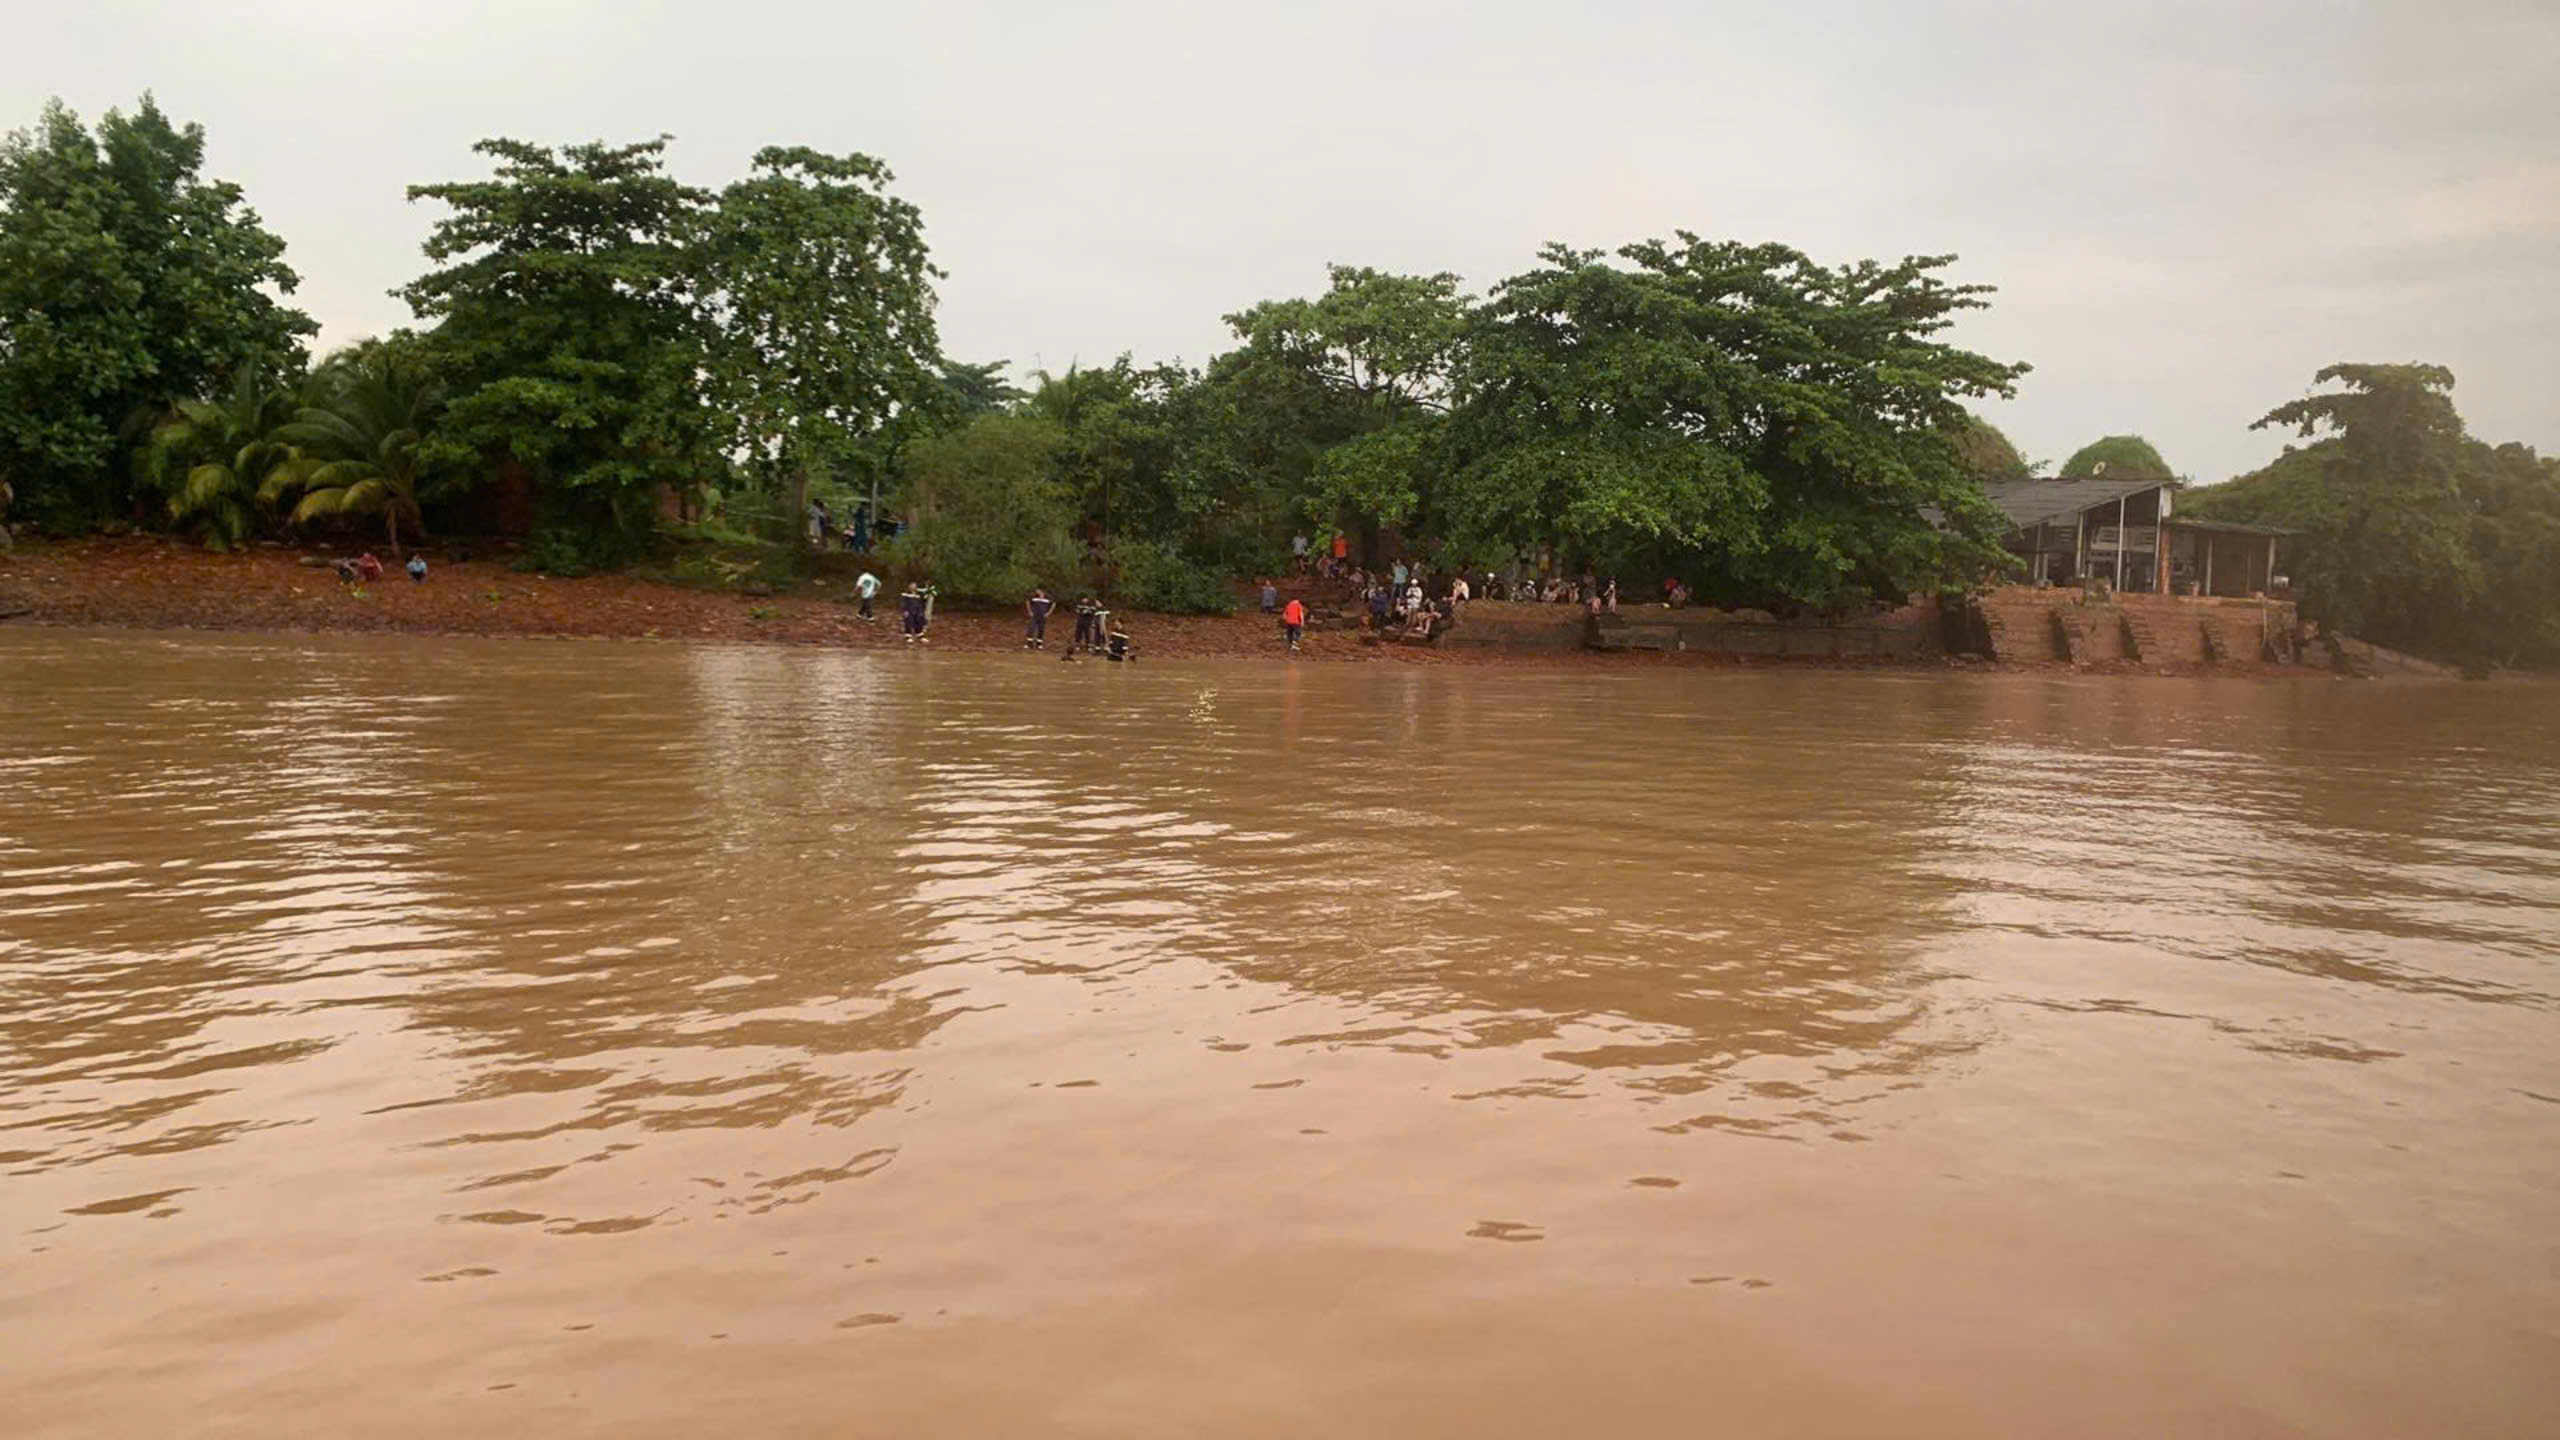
356	446
212	457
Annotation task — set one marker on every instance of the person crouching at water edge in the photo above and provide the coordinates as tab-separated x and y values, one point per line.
1293	620
912	617
1035	619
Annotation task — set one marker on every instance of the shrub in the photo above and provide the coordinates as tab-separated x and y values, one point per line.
1158	577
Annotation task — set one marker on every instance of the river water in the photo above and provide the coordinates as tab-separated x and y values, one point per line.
426	1037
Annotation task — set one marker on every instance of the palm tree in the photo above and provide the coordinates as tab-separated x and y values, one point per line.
356	448
212	457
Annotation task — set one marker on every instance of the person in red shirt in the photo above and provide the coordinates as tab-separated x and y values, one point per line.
1293	618
1341	545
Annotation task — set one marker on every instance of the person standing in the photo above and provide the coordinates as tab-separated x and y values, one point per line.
1035	632
911	612
1298	551
1379	605
1293	619
1341	547
1270	598
1403	572
864	589
1085	612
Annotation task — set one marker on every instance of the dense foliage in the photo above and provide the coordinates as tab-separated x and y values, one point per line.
128	283
987	518
2411	533
817	311
564	318
2116	456
610	360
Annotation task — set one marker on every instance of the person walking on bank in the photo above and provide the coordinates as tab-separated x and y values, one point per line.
863	589
1293	619
1035	611
911	612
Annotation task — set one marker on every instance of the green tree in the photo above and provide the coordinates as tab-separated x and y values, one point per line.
1987	454
2514	497
969	391
359	447
567	325
1786	431
820	301
2116	456
2385	531
1115	441
128	282
211	458
986	518
1368	366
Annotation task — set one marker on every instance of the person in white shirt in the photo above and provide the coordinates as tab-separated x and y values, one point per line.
1459	594
866	587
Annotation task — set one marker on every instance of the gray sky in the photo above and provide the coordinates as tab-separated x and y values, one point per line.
2188	207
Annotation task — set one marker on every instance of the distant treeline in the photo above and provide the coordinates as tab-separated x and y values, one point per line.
608	361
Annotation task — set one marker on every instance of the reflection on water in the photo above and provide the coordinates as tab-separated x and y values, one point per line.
624	1038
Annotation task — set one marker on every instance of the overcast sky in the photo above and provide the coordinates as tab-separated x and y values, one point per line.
2188	208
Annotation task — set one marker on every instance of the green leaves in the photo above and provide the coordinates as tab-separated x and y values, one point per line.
567	325
1780	430
358	448
2411	533
127	283
817	301
987	518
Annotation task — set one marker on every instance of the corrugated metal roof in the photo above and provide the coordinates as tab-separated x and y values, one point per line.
2034	502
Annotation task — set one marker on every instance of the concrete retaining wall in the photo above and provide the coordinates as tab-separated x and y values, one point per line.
2043	625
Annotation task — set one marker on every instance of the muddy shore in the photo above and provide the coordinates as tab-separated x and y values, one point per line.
152	583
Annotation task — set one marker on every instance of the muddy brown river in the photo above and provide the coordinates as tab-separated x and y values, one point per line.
471	1038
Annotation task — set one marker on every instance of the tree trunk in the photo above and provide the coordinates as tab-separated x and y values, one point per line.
391	522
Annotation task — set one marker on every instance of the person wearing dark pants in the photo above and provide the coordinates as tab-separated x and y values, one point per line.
1035	611
911	612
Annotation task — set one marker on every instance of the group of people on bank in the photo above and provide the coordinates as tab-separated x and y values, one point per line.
1095	634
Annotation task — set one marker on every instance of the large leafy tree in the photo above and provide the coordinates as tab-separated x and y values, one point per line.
2409	532
1791	432
359	447
1116	436
565	314
1364	370
128	283
2382	547
819	296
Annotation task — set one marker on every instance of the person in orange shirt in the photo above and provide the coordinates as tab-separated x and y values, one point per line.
1293	618
1341	546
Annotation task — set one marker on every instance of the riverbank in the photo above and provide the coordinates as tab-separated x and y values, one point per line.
154	583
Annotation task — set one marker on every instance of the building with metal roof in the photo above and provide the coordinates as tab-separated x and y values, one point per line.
2124	530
